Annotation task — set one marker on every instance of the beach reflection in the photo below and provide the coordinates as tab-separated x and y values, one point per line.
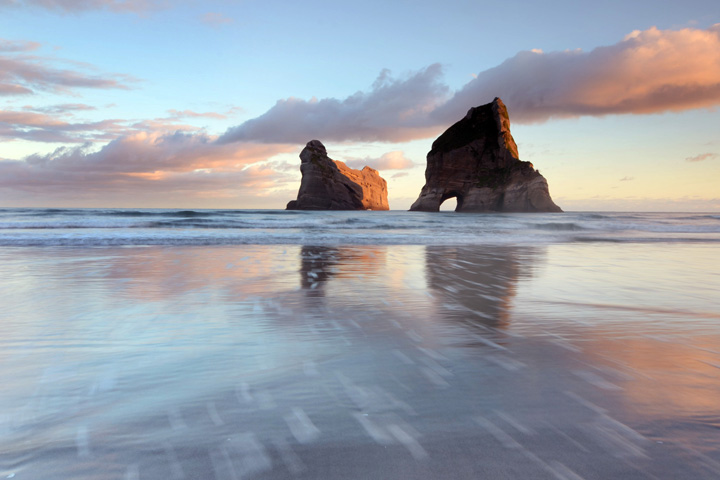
282	361
469	286
641	327
662	375
318	264
475	285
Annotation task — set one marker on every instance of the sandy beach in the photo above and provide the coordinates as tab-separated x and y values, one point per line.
561	361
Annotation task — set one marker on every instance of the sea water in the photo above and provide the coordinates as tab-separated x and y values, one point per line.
118	227
144	344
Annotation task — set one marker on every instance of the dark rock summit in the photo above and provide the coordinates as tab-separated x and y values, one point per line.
329	184
476	161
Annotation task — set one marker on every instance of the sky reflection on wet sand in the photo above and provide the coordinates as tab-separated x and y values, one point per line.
559	361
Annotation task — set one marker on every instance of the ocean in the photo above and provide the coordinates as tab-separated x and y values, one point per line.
128	227
229	344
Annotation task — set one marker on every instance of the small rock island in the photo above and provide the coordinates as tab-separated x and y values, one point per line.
329	184
476	160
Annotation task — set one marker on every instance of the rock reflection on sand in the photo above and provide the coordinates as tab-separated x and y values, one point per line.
476	286
357	362
320	263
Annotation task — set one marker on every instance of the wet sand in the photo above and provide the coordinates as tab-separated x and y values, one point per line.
561	361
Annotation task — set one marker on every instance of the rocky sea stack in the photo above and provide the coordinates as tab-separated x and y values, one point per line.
329	184
476	161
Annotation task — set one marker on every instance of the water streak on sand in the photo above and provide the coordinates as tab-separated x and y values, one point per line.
449	355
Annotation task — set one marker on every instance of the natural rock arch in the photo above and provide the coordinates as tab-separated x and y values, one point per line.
459	199
476	160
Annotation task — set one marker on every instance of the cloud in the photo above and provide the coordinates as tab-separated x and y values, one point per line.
148	163
702	156
150	152
393	110
649	71
10	88
627	179
14	46
75	6
232	111
27	74
176	114
49	127
216	19
65	108
57	124
395	160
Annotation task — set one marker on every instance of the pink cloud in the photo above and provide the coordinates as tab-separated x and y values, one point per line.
649	71
57	124
193	189
148	152
702	156
22	74
44	127
15	46
166	166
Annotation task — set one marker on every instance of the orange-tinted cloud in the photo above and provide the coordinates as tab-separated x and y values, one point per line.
649	71
176	166
144	152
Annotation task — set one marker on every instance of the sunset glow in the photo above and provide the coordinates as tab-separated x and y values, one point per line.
187	111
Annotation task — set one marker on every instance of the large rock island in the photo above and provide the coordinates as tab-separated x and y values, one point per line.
329	184
476	161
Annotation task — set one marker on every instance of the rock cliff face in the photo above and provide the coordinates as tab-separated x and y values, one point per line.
476	161
331	185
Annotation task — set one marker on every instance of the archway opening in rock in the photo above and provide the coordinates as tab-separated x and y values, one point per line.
450	202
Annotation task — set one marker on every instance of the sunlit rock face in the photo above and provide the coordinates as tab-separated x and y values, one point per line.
329	184
476	161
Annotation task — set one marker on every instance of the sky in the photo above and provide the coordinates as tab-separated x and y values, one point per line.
207	104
